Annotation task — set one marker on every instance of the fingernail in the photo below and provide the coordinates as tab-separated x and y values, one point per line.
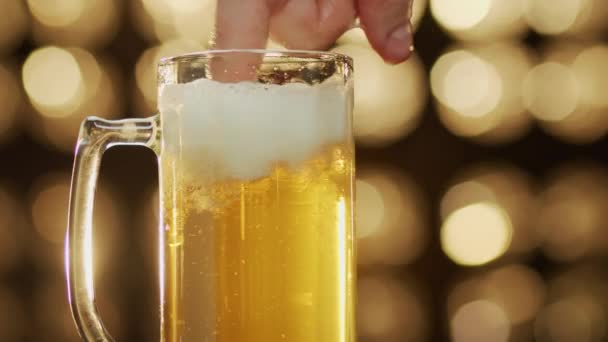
399	44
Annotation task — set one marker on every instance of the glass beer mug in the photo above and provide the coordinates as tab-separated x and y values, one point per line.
256	160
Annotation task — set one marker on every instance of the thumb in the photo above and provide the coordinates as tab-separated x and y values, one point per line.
387	26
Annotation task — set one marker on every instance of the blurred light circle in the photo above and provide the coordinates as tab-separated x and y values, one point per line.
563	91
480	20
572	213
476	234
480	321
370	208
13	318
146	68
13	25
10	102
460	14
52	79
477	91
99	93
89	23
484	85
518	289
384	114
49	208
591	68
571	319
389	310
551	91
506	187
391	217
583	17
164	20
58	12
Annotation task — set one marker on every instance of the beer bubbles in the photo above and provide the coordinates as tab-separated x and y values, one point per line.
477	91
391	217
64	85
389	99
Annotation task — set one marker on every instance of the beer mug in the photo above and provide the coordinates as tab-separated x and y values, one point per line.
256	164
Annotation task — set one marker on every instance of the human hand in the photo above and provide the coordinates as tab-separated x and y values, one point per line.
315	24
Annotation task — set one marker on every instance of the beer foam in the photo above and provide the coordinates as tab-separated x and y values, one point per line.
239	130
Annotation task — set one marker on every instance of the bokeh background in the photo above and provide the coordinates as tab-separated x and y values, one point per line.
482	167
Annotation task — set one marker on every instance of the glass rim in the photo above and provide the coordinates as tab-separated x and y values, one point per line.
312	55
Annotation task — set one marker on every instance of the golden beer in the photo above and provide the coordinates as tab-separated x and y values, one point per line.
256	164
265	260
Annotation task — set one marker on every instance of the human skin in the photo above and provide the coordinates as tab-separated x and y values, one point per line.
315	24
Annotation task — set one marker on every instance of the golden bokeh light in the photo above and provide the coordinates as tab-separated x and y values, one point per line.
507	187
476	234
389	99
516	289
480	19
53	80
551	91
391	217
477	91
577	306
11	230
162	20
88	23
65	85
591	68
579	17
480	321
13	319
389	310
10	102
49	208
370	209
13	25
146	70
565	92
572	213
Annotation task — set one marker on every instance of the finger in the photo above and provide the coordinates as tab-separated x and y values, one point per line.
387	26
240	24
311	24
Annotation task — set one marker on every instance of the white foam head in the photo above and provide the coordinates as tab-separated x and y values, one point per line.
240	129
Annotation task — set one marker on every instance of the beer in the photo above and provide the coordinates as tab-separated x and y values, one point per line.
257	204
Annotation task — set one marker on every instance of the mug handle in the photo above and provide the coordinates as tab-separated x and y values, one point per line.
95	137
